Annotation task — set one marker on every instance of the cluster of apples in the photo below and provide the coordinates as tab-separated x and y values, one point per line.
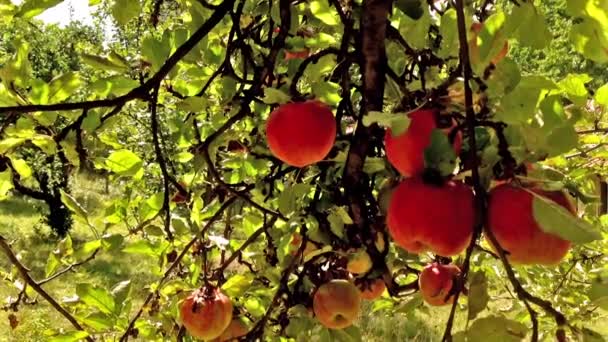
336	303
440	217
207	314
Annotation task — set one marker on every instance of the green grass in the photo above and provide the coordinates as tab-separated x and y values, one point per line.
20	224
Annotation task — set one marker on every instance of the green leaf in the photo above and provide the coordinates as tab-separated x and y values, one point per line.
92	121
598	293
350	334
124	163
6	183
397	122
439	154
112	242
121	293
145	247
327	92
520	105
530	19
237	285
574	86
449	33
496	329
9	143
87	249
96	297
590	33
116	85
72	336
17	70
338	217
255	307
155	51
45	143
22	168
562	140
52	264
125	10
291	198
601	95
324	12
415	31
103	63
74	206
63	86
478	294
31	8
554	219
273	95
98	321
152	206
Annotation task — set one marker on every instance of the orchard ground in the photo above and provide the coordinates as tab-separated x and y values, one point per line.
20	223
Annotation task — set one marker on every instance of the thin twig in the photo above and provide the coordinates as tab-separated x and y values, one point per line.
31	282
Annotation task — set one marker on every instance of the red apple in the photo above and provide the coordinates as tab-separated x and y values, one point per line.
301	133
425	217
336	304
436	281
372	290
406	150
206	314
511	219
359	262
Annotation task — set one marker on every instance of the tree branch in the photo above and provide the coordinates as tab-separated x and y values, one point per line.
31	282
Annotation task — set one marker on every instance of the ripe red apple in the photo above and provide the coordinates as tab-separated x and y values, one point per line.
236	329
336	304
436	281
406	150
206	314
511	219
373	289
301	133
427	217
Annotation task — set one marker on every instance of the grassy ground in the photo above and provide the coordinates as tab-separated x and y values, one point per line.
20	224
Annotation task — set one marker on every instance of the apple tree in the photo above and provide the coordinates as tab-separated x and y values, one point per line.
283	161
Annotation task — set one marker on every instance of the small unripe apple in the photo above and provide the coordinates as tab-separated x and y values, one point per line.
372	290
511	219
427	217
406	150
359	262
436	281
301	133
336	304
206	313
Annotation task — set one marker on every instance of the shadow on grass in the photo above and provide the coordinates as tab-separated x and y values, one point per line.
19	206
